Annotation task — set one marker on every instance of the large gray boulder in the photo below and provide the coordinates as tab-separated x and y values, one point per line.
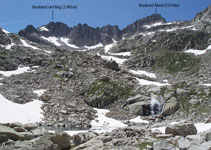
11	133
163	145
3	138
181	129
170	107
62	139
136	108
94	143
44	143
208	135
83	137
113	65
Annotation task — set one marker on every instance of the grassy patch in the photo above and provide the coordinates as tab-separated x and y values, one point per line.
200	108
144	145
173	62
103	93
107	87
4	53
73	146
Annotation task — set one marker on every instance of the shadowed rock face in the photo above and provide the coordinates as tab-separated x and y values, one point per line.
4	39
57	29
80	35
84	35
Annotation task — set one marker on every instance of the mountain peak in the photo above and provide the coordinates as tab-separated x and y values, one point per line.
28	29
137	26
58	29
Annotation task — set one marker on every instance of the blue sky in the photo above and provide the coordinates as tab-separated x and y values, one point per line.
17	14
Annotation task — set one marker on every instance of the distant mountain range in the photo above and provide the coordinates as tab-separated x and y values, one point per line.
83	36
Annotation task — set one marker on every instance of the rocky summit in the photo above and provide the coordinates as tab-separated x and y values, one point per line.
146	86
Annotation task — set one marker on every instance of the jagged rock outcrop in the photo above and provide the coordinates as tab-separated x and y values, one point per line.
57	29
80	35
84	35
4	38
138	26
203	20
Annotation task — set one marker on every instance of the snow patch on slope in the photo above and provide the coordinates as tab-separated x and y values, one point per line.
95	46
105	124
9	46
147	82
120	54
207	84
43	29
153	25
141	72
100	124
20	70
198	52
109	46
66	42
139	120
147	33
27	45
52	39
5	31
39	92
118	60
24	113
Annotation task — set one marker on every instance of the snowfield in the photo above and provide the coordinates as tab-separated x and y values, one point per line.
141	72
100	124
27	45
120	54
153	25
139	120
198	52
5	31
105	124
109	46
95	46
118	60
147	82
207	84
66	42
20	70
33	47
39	92
52	39
24	113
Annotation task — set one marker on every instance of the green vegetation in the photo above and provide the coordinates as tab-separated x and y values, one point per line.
73	146
107	87
173	62
4	53
102	93
144	145
202	107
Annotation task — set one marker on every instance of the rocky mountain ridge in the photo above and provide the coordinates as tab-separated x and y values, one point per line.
84	35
